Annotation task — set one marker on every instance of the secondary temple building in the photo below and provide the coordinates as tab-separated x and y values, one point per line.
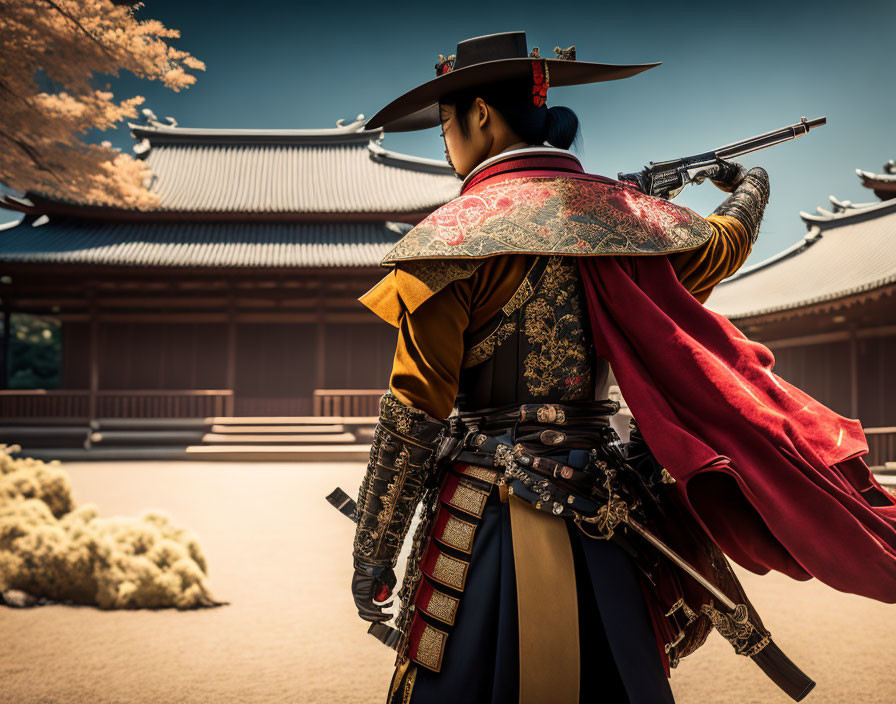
826	307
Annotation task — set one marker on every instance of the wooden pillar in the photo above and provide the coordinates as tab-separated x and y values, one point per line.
853	373
231	352
320	372
4	345
94	372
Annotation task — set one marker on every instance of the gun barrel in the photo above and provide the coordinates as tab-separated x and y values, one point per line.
768	139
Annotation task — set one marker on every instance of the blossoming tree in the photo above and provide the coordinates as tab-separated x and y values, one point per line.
66	44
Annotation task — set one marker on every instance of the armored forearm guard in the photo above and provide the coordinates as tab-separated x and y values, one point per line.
747	203
402	458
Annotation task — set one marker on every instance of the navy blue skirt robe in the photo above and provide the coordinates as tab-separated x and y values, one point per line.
619	657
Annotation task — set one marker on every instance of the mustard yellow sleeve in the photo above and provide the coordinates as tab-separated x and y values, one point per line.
430	347
426	369
700	269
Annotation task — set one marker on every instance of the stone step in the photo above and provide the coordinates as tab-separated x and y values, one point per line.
14	433
42	420
44	436
144	437
278	429
192	437
227	421
336	453
284	438
246	453
150	423
292	420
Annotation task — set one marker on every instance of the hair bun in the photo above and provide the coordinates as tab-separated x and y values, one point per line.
561	127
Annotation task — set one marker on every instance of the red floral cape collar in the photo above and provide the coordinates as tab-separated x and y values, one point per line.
541	201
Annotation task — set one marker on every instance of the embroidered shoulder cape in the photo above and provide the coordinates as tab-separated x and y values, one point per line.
537	211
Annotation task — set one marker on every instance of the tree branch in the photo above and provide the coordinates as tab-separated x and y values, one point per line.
32	154
79	26
11	92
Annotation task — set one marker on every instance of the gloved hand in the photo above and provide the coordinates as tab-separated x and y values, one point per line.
371	586
729	176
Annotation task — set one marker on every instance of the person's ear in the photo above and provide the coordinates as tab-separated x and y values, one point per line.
481	112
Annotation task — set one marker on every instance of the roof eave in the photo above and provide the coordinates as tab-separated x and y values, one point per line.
47	206
882	286
158	133
407	162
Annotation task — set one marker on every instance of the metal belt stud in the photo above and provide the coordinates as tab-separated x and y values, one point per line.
550	414
552	437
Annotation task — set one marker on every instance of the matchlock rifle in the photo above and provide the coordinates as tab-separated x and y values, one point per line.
666	179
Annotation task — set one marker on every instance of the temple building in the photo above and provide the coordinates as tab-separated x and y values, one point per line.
826	308
236	296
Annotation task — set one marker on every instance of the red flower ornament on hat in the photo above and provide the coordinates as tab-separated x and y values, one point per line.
540	79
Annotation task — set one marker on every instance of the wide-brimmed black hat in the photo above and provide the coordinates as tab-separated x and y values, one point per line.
490	59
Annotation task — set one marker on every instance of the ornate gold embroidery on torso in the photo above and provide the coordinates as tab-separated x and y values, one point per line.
553	325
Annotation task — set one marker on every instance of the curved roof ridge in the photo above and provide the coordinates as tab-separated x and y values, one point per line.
828	219
158	132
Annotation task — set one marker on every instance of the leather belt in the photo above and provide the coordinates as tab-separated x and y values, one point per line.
570	414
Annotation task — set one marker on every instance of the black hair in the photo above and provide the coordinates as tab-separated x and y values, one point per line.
558	126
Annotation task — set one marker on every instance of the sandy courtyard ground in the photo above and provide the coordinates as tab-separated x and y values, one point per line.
281	556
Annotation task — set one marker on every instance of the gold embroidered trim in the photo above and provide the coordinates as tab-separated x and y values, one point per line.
389	501
481	351
442	606
450	571
468	499
486	475
458	534
486	347
401	669
430	647
689	613
409	685
736	628
437	274
520	296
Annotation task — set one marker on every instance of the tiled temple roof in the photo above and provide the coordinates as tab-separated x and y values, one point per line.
338	170
192	244
848	250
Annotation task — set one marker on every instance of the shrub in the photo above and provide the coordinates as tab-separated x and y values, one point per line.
51	549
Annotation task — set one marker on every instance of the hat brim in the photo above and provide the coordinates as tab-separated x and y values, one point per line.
419	108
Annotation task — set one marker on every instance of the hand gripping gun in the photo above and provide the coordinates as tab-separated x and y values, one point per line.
666	179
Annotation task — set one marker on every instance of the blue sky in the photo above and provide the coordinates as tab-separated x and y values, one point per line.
730	70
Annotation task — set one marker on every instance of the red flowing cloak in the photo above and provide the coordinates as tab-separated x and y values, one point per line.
772	475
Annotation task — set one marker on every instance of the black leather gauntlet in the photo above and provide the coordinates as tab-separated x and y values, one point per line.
748	200
402	458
